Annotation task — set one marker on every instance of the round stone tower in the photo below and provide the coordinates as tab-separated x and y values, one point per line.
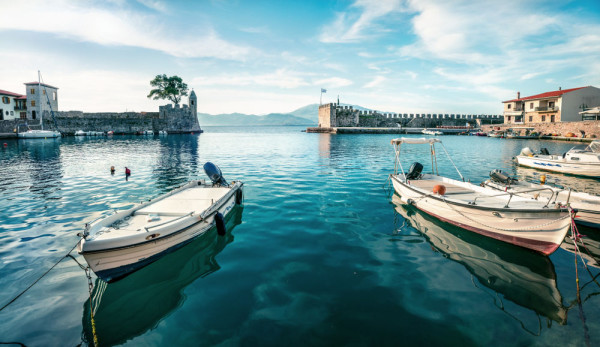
193	104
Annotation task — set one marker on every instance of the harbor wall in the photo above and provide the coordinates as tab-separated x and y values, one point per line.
172	119
591	129
334	115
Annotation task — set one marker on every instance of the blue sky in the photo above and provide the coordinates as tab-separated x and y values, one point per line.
275	56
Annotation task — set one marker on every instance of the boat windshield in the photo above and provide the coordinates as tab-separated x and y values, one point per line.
594	147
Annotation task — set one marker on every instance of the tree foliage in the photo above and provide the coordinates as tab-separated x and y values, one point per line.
170	88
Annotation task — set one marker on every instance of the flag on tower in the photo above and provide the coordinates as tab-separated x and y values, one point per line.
323	90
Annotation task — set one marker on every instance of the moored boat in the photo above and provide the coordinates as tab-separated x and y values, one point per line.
582	160
504	216
587	205
525	278
126	241
431	132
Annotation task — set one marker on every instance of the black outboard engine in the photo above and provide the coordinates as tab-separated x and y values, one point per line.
414	172
215	175
500	177
544	151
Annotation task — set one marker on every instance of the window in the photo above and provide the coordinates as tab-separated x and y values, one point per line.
531	105
12	113
32	102
530	119
33	114
543	118
552	118
23	115
54	96
509	119
509	105
32	91
44	91
5	100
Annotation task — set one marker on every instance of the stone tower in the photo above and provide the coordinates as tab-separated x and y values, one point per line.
193	104
40	97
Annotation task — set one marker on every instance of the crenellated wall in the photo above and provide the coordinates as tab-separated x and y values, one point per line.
172	119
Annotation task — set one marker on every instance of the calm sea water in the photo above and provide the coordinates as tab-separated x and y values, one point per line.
320	254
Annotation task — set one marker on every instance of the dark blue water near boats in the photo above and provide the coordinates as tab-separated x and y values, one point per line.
320	253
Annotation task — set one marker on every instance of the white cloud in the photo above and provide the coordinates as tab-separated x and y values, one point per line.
82	21
378	80
281	79
333	82
352	27
154	4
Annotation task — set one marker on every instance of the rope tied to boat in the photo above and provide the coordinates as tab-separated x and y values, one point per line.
88	274
39	278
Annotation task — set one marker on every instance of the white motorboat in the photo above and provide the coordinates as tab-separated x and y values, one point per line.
162	132
41	133
496	133
525	278
431	132
80	133
126	241
580	160
504	216
587	205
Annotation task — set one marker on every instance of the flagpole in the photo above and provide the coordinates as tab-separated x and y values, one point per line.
321	97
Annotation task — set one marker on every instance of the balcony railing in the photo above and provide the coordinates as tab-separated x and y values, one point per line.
546	109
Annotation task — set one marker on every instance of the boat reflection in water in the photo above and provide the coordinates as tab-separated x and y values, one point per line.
130	307
526	278
589	245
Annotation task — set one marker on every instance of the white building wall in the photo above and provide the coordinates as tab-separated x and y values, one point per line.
571	103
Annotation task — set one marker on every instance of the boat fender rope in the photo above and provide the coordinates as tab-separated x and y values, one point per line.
220	224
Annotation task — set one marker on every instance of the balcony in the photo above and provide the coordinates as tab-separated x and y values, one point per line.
513	113
546	109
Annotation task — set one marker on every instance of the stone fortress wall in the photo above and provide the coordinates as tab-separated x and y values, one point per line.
333	115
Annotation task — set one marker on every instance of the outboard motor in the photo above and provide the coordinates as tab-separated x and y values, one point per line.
501	177
527	152
544	151
214	173
414	172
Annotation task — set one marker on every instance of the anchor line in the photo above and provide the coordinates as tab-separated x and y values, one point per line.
38	279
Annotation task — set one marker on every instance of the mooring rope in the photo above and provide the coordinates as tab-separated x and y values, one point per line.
39	278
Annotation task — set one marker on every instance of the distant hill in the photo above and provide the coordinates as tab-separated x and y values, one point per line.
307	115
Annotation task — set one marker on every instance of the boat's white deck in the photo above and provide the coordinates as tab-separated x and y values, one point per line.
490	198
196	199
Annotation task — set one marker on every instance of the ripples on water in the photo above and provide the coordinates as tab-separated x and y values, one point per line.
318	256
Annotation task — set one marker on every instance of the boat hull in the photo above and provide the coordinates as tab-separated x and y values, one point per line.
38	134
540	230
115	263
558	164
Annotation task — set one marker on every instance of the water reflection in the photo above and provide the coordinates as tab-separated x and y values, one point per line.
130	307
44	166
525	278
588	245
177	161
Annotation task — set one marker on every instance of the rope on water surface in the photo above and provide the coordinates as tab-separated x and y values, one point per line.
38	279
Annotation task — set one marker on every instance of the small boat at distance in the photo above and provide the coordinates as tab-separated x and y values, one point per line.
587	205
582	160
432	132
503	216
126	241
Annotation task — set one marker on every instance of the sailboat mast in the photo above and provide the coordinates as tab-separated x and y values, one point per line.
40	100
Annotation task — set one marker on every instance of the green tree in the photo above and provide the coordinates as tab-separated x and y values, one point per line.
170	88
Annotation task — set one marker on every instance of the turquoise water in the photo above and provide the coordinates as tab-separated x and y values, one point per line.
320	254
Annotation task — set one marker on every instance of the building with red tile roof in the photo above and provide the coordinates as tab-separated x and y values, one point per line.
562	105
12	105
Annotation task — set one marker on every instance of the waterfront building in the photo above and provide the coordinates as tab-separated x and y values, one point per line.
12	105
40	97
562	105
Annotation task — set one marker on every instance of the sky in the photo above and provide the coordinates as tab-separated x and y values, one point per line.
258	57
